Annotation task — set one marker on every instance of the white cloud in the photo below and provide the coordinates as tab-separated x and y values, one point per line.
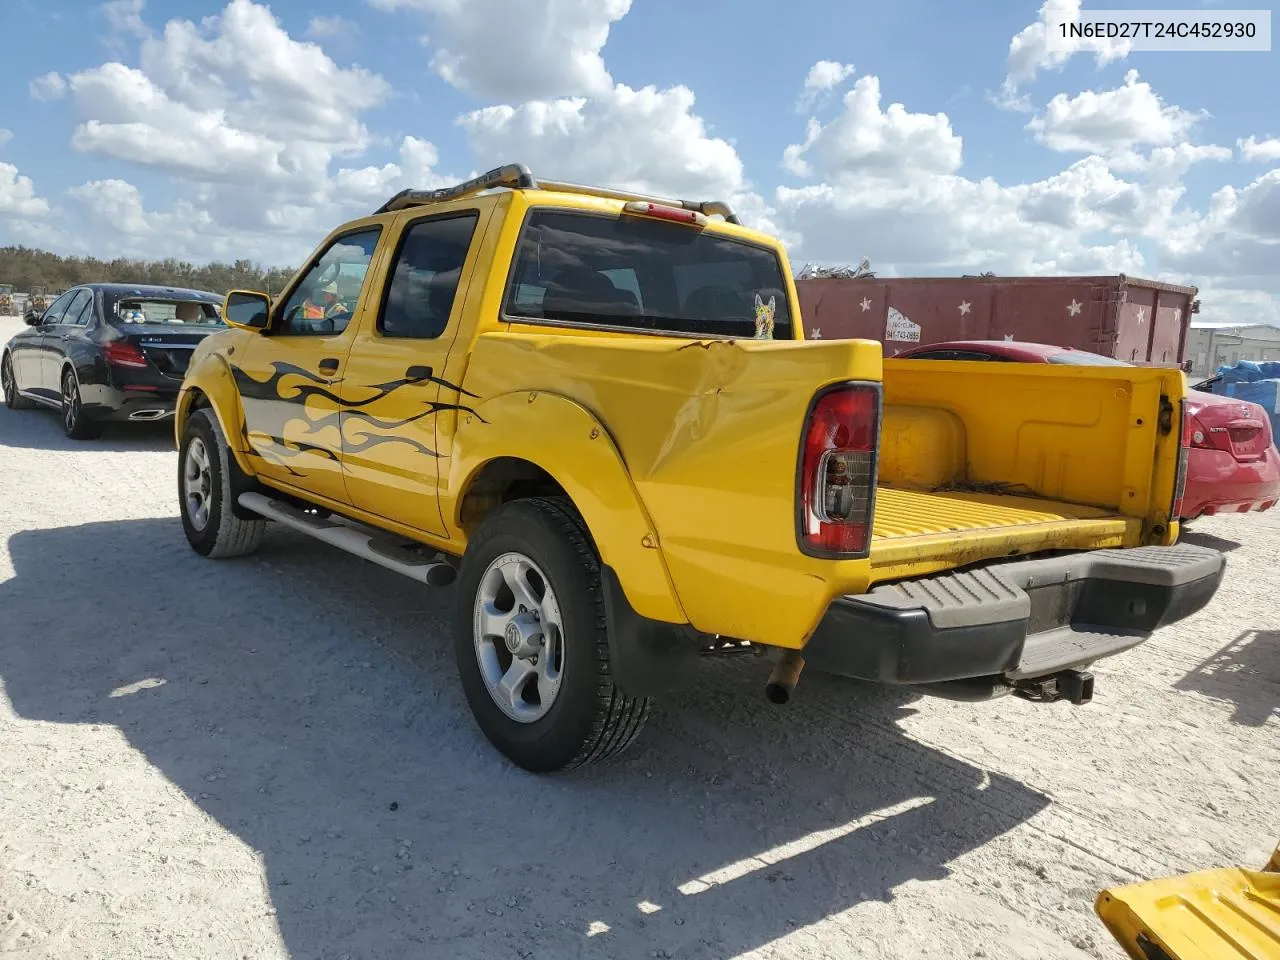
1167	164
18	194
824	76
899	199
243	63
262	132
647	140
551	48
1112	120
942	223
1029	52
233	100
50	86
231	220
116	204
1241	231
865	139
5	135
1254	150
1238	305
323	26
125	16
888	186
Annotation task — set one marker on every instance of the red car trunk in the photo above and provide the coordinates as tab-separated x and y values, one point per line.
1221	423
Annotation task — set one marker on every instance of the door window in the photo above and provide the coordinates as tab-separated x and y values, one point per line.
424	281
79	309
57	309
324	302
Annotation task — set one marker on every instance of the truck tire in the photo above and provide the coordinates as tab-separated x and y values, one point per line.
12	398
538	682
209	481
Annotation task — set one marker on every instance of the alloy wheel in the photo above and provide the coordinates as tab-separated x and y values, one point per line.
197	483
518	634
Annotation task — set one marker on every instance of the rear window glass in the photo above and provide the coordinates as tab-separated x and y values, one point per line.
130	310
643	274
1080	358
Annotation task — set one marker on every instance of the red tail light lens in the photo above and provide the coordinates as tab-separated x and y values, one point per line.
836	496
121	353
1195	433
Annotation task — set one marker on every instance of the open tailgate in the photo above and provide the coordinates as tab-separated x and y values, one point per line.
1229	914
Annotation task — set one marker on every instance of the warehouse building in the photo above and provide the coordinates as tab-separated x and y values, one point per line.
1211	344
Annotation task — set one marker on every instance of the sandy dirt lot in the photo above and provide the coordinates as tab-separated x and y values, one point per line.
271	757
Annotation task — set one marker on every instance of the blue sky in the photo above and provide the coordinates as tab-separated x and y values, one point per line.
934	138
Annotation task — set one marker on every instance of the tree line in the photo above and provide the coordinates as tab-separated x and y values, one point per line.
24	267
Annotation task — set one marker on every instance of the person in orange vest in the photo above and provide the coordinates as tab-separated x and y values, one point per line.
325	306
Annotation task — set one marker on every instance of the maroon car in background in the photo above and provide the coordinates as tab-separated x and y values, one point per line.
1232	463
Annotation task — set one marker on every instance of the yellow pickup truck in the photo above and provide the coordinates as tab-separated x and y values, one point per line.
596	415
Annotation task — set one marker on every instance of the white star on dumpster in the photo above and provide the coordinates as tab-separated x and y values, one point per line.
815	334
964	307
1073	307
866	304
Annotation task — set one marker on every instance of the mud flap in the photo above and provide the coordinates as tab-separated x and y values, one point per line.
646	657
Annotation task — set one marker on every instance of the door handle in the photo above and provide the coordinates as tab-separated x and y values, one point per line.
329	365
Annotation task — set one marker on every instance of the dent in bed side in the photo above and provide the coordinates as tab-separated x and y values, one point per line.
709	432
565	440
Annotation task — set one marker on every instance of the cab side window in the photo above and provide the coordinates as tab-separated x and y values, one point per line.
424	279
324	302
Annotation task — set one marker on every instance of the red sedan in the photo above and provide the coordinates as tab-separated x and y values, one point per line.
1232	462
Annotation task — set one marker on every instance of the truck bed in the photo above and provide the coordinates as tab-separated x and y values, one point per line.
915	531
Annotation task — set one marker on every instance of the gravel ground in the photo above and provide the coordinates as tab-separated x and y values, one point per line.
271	757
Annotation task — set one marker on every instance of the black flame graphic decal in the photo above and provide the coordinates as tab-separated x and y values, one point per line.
292	385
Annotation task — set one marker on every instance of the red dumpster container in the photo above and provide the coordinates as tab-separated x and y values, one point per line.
1140	321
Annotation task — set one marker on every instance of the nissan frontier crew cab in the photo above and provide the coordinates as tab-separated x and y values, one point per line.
596	415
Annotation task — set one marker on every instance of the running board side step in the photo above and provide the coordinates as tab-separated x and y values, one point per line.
407	557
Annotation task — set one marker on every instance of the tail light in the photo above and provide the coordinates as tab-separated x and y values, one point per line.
837	478
122	353
1196	434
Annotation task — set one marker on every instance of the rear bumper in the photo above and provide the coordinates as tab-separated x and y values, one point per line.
995	625
110	403
1218	483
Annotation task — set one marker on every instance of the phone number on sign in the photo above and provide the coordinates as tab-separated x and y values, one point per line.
1148	30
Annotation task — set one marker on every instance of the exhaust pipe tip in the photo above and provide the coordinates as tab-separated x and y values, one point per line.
778	693
149	415
783	679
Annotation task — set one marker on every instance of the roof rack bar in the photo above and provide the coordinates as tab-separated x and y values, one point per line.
707	207
513	175
517	177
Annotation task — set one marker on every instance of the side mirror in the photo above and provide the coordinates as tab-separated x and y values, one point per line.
247	309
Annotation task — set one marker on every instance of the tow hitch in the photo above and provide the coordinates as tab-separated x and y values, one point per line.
1074	686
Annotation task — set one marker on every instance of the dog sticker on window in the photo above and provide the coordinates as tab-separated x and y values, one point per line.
764	317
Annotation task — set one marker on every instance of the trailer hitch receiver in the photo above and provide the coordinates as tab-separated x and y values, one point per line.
1074	686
